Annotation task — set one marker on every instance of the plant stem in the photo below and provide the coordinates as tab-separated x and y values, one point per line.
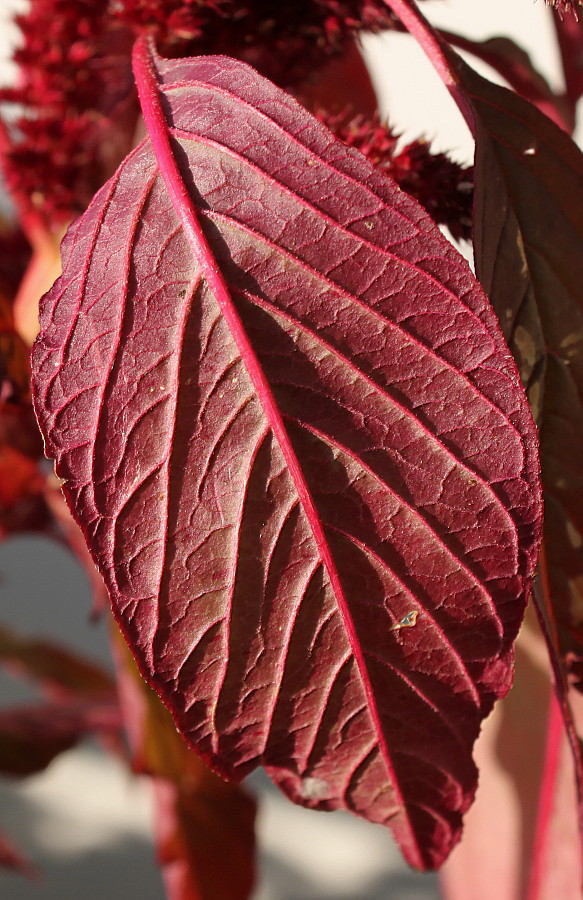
437	51
569	34
547	794
560	716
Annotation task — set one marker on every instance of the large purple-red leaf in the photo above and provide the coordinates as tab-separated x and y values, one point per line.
515	65
32	736
314	502
528	242
529	257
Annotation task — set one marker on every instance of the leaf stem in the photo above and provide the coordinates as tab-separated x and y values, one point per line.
437	51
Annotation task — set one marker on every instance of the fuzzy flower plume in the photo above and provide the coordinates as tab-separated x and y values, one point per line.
563	6
77	91
22	505
283	39
70	80
441	186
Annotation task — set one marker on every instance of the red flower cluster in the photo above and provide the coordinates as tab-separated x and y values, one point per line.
77	90
564	6
441	186
319	22
284	40
22	506
75	76
73	73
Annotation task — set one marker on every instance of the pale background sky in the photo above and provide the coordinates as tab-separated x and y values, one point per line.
85	821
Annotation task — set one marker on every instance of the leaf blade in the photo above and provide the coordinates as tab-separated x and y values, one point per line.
528	172
339	283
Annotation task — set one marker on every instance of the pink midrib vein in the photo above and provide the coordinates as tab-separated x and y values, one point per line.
157	127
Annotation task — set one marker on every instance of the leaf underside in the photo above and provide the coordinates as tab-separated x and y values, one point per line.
529	257
339	604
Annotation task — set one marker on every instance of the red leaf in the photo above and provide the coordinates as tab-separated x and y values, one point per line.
528	239
528	174
11	858
32	736
516	66
314	499
61	674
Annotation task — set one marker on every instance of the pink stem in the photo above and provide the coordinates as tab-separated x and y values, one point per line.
546	798
569	34
548	626
437	51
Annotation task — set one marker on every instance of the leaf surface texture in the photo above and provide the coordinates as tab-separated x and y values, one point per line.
529	258
317	525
